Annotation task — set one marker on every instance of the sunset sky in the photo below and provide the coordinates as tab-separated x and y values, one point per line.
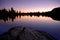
30	5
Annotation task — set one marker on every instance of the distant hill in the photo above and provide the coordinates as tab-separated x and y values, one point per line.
54	14
56	10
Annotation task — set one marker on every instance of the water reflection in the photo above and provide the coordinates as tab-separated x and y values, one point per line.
11	14
41	23
48	22
14	17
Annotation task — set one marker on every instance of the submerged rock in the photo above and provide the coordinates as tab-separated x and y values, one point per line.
21	33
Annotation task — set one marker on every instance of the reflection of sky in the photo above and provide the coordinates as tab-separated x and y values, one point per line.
45	24
30	5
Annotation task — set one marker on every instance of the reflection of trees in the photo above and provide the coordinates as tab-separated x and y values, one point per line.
11	14
4	14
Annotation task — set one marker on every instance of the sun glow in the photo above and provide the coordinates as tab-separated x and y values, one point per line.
34	9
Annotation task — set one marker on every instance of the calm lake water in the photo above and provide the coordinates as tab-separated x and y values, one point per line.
41	23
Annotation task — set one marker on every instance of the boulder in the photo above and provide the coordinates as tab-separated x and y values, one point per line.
22	33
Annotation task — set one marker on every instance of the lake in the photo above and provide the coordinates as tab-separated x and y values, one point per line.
41	23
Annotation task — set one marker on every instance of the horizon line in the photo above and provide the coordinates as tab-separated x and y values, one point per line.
28	11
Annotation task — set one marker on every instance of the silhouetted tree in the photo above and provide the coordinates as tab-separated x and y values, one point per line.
4	11
19	11
0	11
4	14
12	10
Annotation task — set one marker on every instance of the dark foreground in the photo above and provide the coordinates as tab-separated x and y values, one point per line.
21	33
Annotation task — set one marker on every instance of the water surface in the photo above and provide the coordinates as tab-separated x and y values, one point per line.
41	23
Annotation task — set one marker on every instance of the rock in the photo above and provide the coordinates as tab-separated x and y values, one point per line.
21	33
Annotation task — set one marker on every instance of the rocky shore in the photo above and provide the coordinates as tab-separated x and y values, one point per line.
22	33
